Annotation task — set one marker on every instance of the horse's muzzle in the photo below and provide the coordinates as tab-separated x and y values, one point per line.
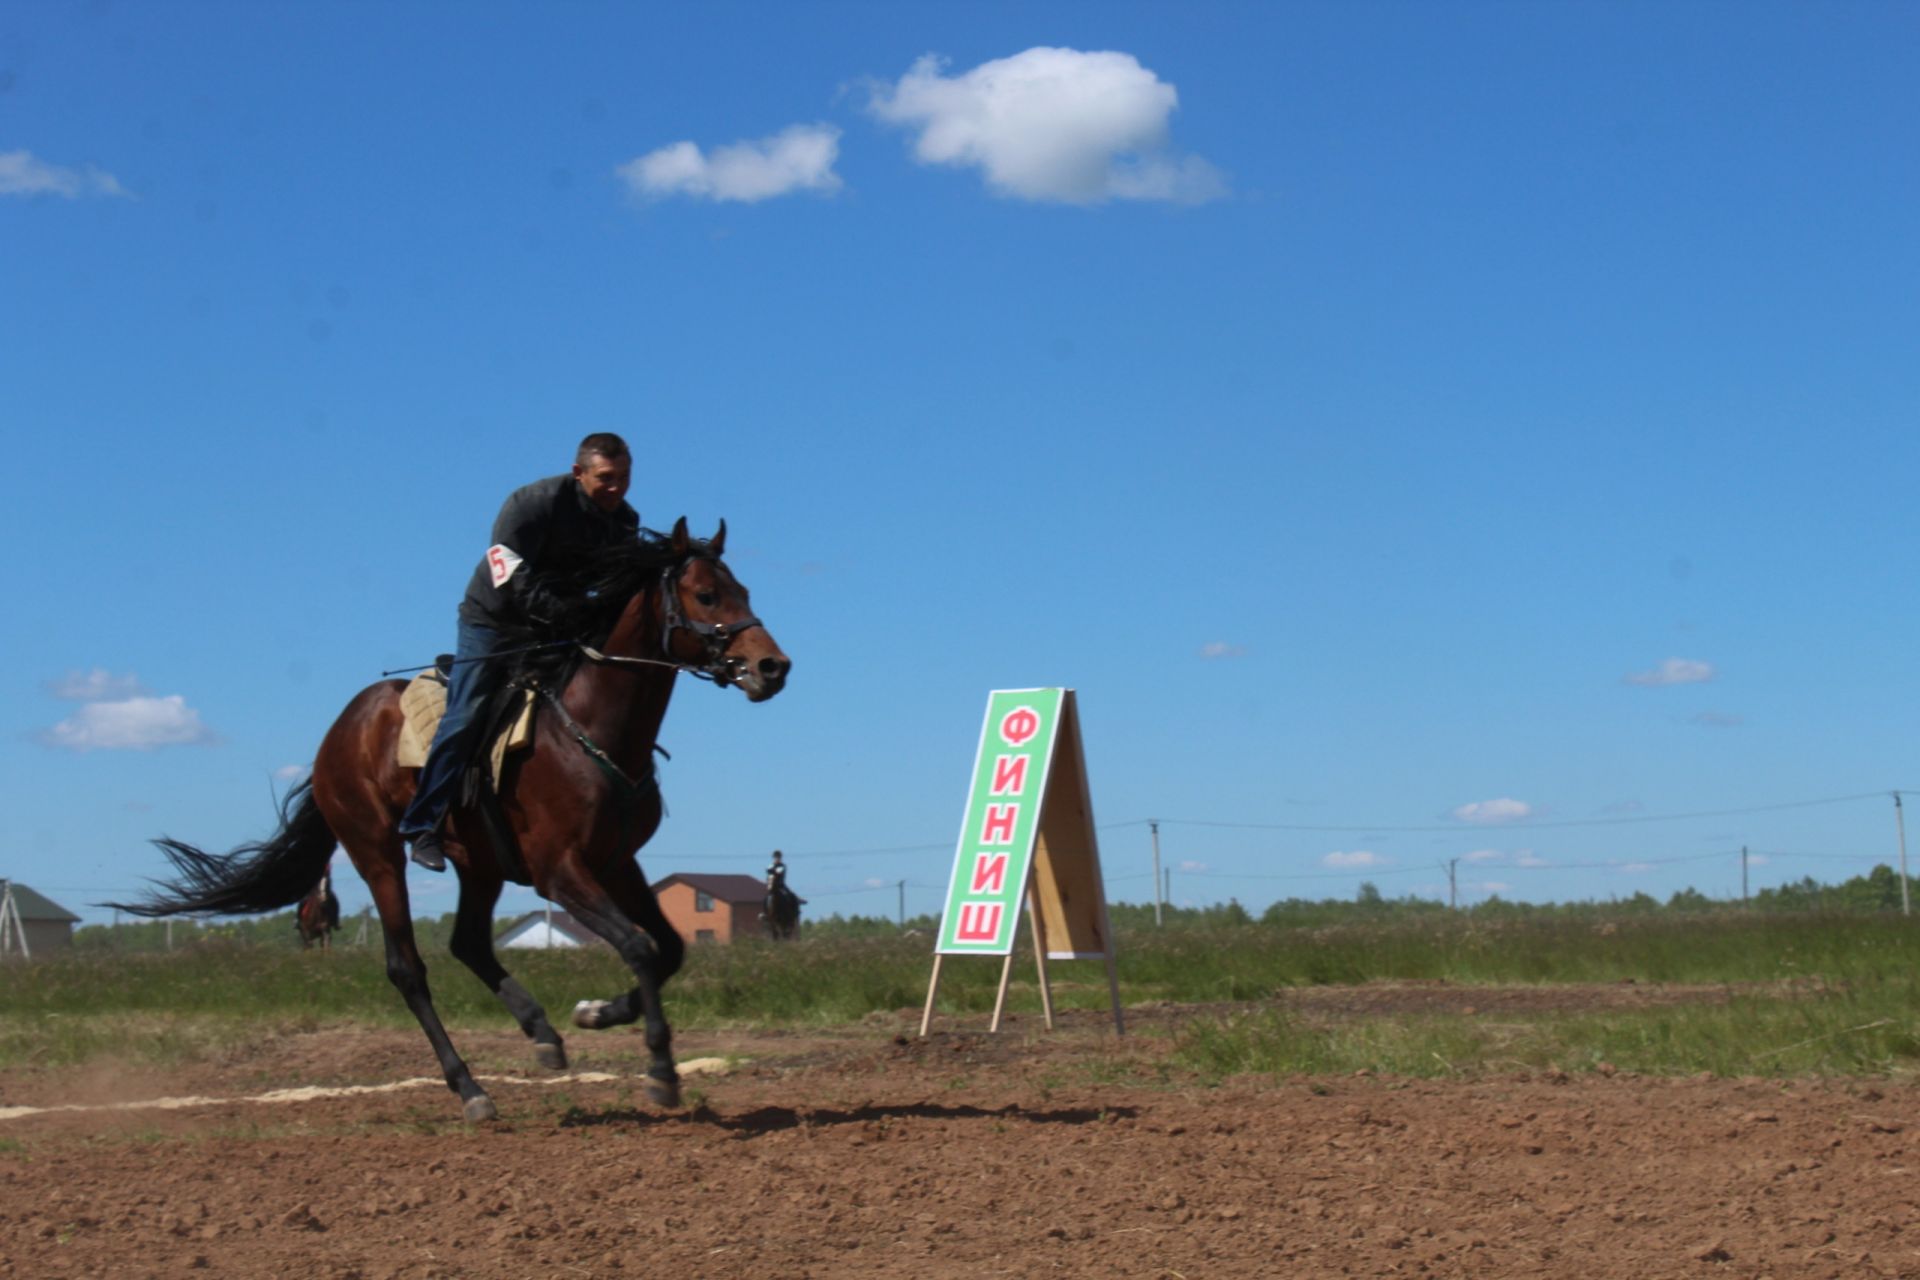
763	677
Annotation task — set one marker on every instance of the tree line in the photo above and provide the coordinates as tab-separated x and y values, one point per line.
1876	891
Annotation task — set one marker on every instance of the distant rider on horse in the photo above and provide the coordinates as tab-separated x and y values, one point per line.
783	904
552	526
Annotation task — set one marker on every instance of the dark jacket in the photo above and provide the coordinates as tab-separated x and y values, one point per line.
544	528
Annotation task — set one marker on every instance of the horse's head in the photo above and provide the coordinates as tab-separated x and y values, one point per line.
708	624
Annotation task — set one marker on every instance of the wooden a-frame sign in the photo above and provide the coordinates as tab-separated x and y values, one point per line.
1027	841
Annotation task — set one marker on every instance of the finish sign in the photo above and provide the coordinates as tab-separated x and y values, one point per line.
1003	812
1027	840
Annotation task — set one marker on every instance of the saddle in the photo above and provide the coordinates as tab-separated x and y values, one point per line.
424	701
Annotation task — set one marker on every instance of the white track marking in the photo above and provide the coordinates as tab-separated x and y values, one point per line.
693	1067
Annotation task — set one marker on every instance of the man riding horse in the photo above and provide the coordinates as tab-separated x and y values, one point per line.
782	912
629	611
548	528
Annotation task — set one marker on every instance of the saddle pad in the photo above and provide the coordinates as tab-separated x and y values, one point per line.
519	734
424	701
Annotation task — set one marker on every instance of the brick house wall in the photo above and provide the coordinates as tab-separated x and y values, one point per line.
712	908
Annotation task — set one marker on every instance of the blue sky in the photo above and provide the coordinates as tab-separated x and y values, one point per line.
1457	428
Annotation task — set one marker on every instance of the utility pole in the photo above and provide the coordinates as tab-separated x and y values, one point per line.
1743	875
1453	888
1906	907
903	904
1158	898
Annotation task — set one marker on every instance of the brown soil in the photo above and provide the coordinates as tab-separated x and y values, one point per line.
866	1151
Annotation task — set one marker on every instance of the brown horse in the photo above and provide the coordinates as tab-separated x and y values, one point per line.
578	805
781	911
318	914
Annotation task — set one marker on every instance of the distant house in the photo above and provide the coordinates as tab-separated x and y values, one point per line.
717	908
45	925
533	932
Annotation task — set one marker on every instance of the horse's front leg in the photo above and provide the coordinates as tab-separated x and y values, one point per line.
625	913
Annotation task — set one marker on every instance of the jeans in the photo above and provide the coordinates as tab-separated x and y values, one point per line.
454	744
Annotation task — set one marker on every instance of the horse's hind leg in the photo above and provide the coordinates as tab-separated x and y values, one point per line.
473	947
384	875
612	912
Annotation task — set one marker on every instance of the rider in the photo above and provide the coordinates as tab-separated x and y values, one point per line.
550	526
776	876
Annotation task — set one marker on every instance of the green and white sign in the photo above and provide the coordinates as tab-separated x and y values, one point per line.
995	854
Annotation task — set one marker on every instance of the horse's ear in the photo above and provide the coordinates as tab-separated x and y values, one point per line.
680	540
718	542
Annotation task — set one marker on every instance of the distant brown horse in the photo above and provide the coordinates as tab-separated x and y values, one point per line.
781	911
318	915
578	805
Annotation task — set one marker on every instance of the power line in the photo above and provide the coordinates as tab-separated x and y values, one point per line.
1365	873
1463	826
1619	864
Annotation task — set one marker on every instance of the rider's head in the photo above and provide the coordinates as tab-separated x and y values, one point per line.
604	469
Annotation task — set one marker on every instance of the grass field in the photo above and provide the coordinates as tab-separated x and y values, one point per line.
1819	994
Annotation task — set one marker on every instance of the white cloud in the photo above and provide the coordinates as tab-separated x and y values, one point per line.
1358	858
1056	125
24	174
292	772
1222	649
1528	858
1674	671
1634	868
94	685
798	158
130	724
1758	859
1494	886
1191	866
1489	812
1482	855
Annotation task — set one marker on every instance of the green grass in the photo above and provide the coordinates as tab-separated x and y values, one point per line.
1876	1032
215	998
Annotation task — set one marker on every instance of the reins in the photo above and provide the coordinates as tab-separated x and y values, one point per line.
714	637
714	665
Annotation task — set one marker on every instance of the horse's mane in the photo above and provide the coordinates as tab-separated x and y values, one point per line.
583	604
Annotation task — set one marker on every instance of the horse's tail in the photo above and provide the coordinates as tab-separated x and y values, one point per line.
274	873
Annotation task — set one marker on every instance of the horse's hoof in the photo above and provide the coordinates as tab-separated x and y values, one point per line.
551	1056
480	1109
587	1013
665	1093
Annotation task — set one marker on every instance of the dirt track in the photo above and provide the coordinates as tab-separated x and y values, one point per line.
866	1152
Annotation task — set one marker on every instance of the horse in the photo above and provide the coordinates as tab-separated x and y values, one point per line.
781	912
318	915
576	807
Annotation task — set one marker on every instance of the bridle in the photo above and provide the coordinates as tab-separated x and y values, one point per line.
715	663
